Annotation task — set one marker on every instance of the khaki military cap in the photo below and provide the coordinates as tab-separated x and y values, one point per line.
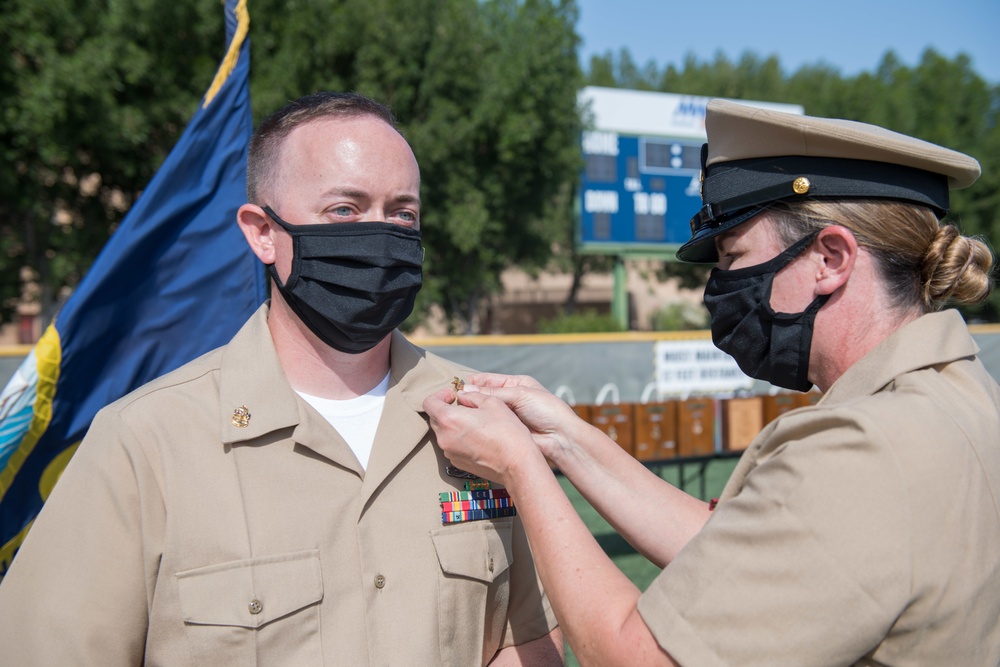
755	157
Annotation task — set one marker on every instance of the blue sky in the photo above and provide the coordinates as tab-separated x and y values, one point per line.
850	35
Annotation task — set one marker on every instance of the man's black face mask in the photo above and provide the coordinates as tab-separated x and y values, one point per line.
351	283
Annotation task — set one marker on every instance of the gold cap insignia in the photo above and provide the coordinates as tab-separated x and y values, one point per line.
801	185
241	417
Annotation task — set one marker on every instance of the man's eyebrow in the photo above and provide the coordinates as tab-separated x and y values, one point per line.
361	194
407	199
346	192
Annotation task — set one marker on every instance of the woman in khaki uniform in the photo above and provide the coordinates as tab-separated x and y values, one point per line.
862	530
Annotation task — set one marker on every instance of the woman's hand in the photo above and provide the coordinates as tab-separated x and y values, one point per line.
479	433
548	418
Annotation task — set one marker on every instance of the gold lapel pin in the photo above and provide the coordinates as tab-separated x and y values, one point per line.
241	417
458	384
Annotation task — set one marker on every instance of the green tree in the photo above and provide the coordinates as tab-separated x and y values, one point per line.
96	93
89	113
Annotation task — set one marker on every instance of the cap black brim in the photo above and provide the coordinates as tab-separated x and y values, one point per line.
701	247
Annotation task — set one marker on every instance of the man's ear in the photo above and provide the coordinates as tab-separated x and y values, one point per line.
838	250
258	229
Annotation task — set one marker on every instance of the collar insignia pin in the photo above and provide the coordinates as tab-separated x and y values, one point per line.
241	417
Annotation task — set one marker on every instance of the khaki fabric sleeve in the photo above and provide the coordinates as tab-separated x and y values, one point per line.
809	564
78	589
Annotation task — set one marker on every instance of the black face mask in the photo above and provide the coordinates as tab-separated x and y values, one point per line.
766	345
351	283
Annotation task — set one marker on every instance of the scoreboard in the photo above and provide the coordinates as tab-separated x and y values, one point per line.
638	191
642	162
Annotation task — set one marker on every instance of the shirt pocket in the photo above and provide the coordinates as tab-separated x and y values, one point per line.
254	611
474	589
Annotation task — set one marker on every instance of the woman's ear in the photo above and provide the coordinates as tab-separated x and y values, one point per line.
258	229
838	250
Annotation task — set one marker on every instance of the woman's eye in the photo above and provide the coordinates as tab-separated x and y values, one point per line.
727	260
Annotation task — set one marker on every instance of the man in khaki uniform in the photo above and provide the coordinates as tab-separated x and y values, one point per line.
277	501
862	530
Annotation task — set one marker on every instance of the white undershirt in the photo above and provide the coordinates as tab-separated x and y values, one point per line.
356	419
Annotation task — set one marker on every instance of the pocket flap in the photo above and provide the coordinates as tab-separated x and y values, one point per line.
479	549
250	593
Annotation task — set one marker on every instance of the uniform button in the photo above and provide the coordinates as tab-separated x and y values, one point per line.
255	606
379	581
491	565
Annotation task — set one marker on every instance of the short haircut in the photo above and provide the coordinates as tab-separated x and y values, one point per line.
265	145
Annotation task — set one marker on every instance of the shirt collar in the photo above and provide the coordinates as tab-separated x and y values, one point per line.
934	338
251	378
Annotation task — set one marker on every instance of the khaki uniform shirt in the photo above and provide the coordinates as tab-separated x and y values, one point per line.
863	530
176	536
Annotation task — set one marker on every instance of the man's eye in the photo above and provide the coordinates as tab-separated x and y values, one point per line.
343	211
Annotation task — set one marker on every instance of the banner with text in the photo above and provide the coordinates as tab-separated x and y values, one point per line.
696	367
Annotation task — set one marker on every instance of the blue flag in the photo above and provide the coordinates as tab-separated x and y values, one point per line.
176	280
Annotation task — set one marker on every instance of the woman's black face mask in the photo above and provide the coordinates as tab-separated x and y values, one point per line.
766	345
351	283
